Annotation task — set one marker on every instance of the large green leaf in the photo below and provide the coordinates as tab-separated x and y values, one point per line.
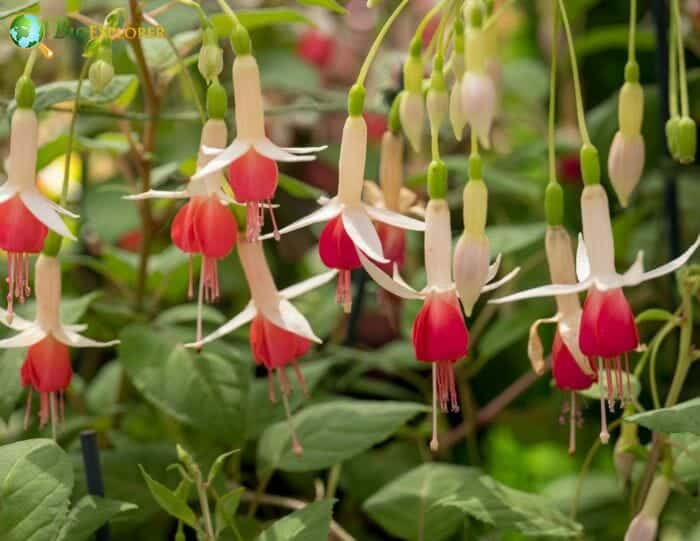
203	390
88	514
36	480
408	507
312	523
681	418
10	383
50	94
332	432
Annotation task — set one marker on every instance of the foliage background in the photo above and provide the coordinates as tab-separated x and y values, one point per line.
149	394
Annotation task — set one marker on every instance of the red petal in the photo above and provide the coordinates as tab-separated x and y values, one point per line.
47	366
567	374
182	231
215	228
439	332
253	177
273	346
315	47
607	325
20	231
336	248
393	245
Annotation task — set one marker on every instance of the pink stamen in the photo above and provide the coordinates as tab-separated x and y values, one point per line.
190	289
608	377
255	219
604	434
300	379
620	388
343	293
17	280
434	444
43	409
572	424
210	275
629	381
446	390
275	231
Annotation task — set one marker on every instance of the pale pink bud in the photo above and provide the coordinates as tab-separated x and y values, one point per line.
471	268
479	104
644	526
625	164
457	118
412	115
642	529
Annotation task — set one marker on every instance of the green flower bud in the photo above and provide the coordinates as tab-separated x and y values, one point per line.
672	130
209	37
240	40
554	204
211	62
475	167
631	108
25	92
687	140
415	47
437	179
632	72
356	100
395	115
590	164
476	14
101	74
217	101
437	77
413	74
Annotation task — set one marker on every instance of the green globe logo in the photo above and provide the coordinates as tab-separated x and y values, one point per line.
26	31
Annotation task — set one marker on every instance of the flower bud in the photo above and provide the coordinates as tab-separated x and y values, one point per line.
687	140
25	92
457	118
391	170
475	55
240	40
413	73
597	230
101	74
217	101
590	164
475	201
437	104
351	165
630	111
554	203
479	104
438	244
470	268
672	130
437	180
47	288
625	164
412	115
644	526
211	62
623	457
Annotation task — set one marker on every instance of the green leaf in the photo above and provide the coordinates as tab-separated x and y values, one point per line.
681	418
53	93
86	517
10	383
114	143
203	390
102	395
16	10
408	507
505	239
72	310
169	501
312	523
186	313
331	5
332	432
604	38
297	188
36	480
283	70
226	507
216	466
258	18
654	314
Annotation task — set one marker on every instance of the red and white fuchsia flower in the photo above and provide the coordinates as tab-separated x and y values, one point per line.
279	333
47	367
251	157
607	331
26	215
204	225
440	334
349	231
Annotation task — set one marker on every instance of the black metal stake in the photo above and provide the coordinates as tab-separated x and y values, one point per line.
93	474
660	12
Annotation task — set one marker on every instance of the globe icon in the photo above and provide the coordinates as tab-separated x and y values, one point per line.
26	31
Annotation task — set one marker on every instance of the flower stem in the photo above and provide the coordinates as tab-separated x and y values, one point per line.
553	94
206	513
29	66
672	69
427	18
229	12
684	347
685	108
580	111
377	42
631	53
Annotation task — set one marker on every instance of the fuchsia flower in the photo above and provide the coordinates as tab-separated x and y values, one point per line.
279	333
316	47
440	333
25	214
607	330
204	225
251	157
47	366
349	231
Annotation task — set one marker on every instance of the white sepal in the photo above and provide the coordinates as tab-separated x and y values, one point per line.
394	218
223	157
398	288
364	236
28	337
158	194
40	207
308	285
507	278
327	212
270	150
287	317
583	265
73	339
243	317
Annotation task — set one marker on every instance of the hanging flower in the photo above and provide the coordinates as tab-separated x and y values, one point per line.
440	334
204	225
25	214
646	523
279	333
349	230
47	366
607	330
251	157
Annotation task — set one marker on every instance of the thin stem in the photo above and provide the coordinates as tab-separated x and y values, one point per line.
427	18
663	333
333	479
206	513
259	493
377	42
434	444
672	69
31	60
229	12
71	132
685	108
580	111
474	143
493	19
632	32
684	347
553	94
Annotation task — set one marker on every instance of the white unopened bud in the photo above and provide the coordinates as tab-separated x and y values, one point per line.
625	164
470	267
457	118
438	244
412	115
211	62
250	119
597	230
351	166
101	74
642	529
23	149
391	170
479	104
47	289
437	104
